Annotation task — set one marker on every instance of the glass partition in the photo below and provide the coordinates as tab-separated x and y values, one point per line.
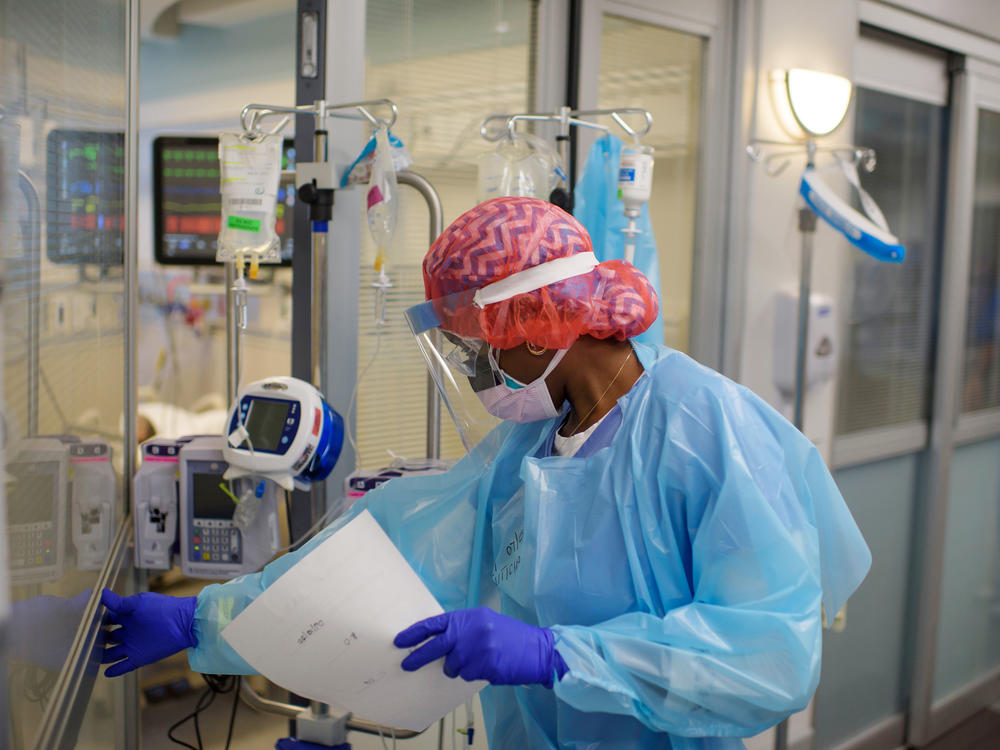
886	359
447	67
660	69
969	611
63	104
982	334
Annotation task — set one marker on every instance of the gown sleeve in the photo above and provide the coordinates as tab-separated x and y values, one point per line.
745	651
430	519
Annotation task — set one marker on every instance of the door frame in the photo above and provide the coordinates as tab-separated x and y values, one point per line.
718	272
975	86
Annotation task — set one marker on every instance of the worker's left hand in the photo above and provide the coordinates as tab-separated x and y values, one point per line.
480	644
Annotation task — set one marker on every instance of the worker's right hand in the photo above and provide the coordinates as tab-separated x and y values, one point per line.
152	627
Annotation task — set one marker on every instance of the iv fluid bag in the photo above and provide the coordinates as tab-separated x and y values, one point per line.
250	171
525	166
382	204
635	177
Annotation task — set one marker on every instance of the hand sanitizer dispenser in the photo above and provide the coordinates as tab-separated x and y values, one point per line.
821	341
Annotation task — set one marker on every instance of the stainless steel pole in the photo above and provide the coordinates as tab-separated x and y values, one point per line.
127	730
318	326
233	341
433	200
807	228
563	138
34	285
319	309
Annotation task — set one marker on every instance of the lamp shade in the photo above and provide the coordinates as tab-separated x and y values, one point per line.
810	102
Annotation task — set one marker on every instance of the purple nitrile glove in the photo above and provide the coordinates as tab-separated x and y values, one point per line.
153	627
480	644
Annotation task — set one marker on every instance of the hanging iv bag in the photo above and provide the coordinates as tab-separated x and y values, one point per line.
250	170
382	197
521	165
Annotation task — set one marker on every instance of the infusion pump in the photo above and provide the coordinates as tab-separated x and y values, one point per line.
155	500
62	501
213	545
94	502
185	511
37	500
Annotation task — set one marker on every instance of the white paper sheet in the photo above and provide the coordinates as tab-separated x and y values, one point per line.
324	630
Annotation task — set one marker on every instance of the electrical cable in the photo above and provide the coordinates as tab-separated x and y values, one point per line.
232	715
199	707
216	685
309	532
354	397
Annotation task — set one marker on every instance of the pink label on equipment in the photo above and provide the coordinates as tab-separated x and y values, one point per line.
374	196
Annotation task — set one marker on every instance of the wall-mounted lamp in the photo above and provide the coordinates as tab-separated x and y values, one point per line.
808	103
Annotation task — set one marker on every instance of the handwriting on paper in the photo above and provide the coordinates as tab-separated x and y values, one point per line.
325	628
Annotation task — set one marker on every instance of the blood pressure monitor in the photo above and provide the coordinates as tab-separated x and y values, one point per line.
282	429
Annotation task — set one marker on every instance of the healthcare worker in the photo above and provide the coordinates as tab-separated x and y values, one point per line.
638	556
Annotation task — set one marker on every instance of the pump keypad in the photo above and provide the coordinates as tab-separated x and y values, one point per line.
32	545
215	541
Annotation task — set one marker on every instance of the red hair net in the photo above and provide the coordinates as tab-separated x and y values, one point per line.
505	235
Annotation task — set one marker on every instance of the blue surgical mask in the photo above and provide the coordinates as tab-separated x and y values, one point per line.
517	401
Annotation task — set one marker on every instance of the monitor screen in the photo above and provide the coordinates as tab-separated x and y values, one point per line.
31	492
85	207
187	204
266	421
210	500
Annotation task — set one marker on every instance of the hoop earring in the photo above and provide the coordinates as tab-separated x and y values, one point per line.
538	352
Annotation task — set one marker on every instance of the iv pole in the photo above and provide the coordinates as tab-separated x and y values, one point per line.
566	118
807	231
315	185
318	193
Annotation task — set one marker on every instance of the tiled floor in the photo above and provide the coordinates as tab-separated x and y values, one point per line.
251	730
981	732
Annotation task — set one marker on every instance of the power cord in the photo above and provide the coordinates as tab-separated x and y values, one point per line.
217	685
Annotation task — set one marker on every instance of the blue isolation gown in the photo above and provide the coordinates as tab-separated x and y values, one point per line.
681	558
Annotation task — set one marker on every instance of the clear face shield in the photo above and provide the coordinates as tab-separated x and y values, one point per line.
460	367
452	333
